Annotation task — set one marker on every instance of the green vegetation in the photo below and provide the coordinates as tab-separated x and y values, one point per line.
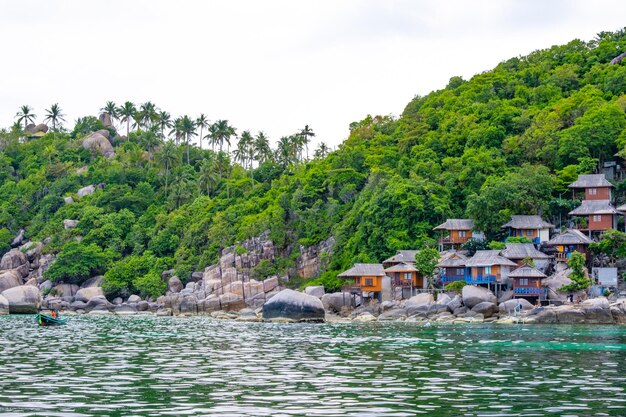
455	286
426	261
612	245
579	282
508	141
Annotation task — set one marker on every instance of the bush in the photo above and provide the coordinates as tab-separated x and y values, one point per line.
5	241
495	245
456	286
328	280
264	269
78	262
150	284
518	239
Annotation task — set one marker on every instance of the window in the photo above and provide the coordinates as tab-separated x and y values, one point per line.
597	218
407	275
462	233
530	233
593	191
369	282
523	281
487	270
460	271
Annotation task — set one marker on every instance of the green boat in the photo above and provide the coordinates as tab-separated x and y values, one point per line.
48	320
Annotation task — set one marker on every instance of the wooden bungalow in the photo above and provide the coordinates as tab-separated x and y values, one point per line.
366	279
527	283
596	187
531	227
455	232
568	241
598	215
488	268
453	268
518	252
401	257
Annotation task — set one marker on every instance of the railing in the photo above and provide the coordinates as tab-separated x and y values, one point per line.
529	291
562	256
481	279
351	289
451	278
448	239
403	284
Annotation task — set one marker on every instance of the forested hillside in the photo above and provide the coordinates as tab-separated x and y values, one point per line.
508	141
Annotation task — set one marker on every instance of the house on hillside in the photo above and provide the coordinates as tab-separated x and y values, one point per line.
568	241
401	257
455	232
596	212
531	227
453	268
488	268
527	283
369	280
405	279
518	252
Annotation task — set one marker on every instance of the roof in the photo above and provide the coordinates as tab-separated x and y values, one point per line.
401	267
569	237
528	222
488	258
455	260
402	256
456	224
621	208
522	251
591	181
593	207
364	270
527	272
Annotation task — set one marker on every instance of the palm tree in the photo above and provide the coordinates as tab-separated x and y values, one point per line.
111	108
245	151
147	114
321	151
127	112
262	149
49	152
213	136
149	140
168	156
55	115
163	121
224	132
285	151
182	184
306	134
202	122
188	129
208	176
25	114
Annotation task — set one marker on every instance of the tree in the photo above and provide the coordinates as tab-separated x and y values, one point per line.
223	133
127	112
146	116
262	148
55	116
208	177
163	121
612	244
111	109
426	261
188	129
306	134
202	122
321	152
168	156
579	282
78	262
25	115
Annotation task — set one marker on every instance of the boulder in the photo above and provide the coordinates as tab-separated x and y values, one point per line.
68	200
473	295
32	281
209	304
174	285
93	282
125	310
509	306
45	286
189	305
23	300
291	305
423	299
365	317
105	119
231	302
70	224
455	303
66	290
459	311
40	128
10	279
90	189
315	291
485	308
86	294
598	302
143	305
506	296
18	240
13	259
78	305
396	314
98	301
4	306
197	276
134	299
542	315
443	299
270	284
335	302
98	142
117	301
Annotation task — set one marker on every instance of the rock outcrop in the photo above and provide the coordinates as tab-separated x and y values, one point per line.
10	279
289	305
4	305
24	299
473	295
99	142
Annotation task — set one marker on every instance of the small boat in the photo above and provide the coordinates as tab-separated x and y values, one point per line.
48	320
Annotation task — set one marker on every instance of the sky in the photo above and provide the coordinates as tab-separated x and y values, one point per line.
271	65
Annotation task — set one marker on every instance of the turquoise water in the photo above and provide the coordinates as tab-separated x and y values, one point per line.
149	366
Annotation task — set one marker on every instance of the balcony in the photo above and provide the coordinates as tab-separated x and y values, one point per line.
446	279
532	291
447	240
481	279
402	283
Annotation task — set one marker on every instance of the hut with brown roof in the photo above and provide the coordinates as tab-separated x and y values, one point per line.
532	227
365	278
518	252
489	268
527	282
453	268
458	231
568	241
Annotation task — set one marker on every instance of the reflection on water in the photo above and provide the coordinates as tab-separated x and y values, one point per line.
152	366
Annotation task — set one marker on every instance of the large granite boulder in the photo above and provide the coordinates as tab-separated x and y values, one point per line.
86	294
315	291
85	191
70	223
597	311
93	282
395	314
13	259
174	285
10	279
338	301
443	299
98	302
423	299
422	304
66	290
18	240
209	304
134	299
291	305
455	303
509	306
231	302
485	308
125	310
4	305
23	300
473	295
271	284
98	142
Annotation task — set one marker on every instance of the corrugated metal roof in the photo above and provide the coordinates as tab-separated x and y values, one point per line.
569	237
594	207
453	261
402	256
622	208
456	224
528	222
522	251
591	181
527	272
488	258
401	267
364	270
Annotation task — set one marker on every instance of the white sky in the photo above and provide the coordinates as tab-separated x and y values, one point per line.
269	65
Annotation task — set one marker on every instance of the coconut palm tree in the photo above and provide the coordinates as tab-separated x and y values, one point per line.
285	151
202	122
111	108
168	156
321	151
146	116
224	132
127	113
163	121
208	176
26	115
262	149
188	129
212	136
306	134
54	115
